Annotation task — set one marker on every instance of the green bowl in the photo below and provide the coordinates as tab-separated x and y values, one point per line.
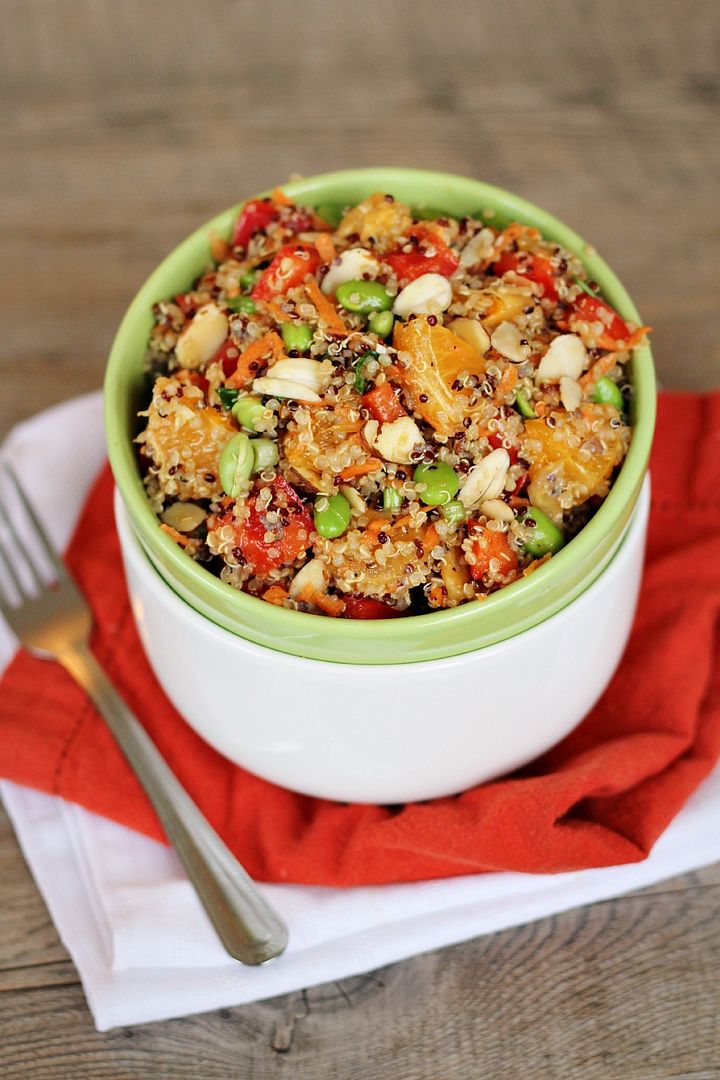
440	634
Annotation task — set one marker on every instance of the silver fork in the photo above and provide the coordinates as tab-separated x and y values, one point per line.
53	621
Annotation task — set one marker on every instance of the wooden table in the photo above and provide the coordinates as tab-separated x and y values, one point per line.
127	124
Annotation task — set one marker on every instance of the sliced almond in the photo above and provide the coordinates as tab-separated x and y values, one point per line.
473	332
202	337
307	372
284	388
185	517
497	510
311	575
570	393
566	356
394	441
429	294
357	503
485	480
478	249
507	340
352	265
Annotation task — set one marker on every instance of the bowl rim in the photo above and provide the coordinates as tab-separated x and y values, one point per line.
134	551
292	626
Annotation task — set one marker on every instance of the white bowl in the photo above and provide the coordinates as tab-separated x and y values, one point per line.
392	733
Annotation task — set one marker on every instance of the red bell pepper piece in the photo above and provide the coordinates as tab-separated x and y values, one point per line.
616	332
496	441
430	255
366	607
530	265
254	217
491	544
383	403
292	264
290	535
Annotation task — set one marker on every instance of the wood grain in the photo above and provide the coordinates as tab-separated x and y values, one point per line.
124	126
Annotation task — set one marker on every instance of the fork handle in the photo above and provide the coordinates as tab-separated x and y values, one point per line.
247	926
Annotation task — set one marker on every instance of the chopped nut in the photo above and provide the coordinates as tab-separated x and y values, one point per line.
394	441
185	517
312	576
497	510
429	294
350	266
486	480
472	331
507	340
284	388
570	393
202	337
566	356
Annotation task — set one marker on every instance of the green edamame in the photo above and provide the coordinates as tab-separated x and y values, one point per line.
266	454
297	336
248	411
381	323
524	406
242	305
454	512
332	515
392	498
539	536
440	483
364	297
236	465
248	279
607	392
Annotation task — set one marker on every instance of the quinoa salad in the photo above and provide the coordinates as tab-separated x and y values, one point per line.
376	411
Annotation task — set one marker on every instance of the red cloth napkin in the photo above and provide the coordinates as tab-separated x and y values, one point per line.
599	798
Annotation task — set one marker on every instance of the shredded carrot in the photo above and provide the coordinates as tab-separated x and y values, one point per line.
325	309
507	382
331	605
598	370
362	468
326	248
178	537
436	596
275	595
514	232
249	364
535	563
431	538
541	407
279	197
277	312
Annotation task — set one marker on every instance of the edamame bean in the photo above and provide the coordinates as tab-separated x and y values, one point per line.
440	483
248	411
297	336
331	516
236	465
381	323
266	454
392	498
454	512
364	297
607	392
248	279
242	305
539	536
523	405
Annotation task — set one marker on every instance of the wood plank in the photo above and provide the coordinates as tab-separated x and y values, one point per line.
635	982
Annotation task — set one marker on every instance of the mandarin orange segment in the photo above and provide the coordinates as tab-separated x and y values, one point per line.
435	358
184	438
376	220
572	460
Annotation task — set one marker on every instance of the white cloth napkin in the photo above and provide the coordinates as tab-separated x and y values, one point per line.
128	916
